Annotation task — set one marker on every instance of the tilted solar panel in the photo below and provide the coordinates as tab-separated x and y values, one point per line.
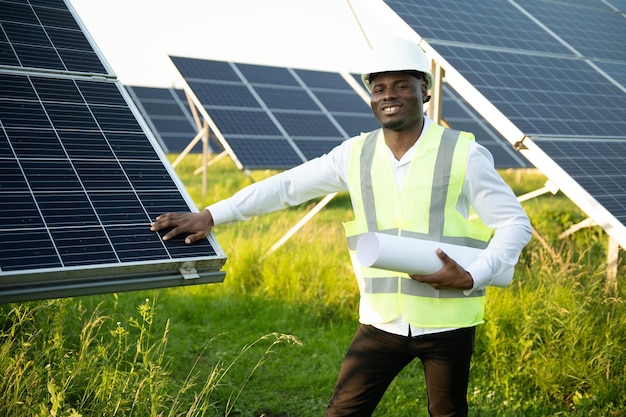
544	95
549	76
80	182
273	117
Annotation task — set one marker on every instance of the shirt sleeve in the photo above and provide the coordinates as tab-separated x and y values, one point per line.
498	207
315	178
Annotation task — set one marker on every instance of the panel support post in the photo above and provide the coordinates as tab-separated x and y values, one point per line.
318	207
611	266
435	104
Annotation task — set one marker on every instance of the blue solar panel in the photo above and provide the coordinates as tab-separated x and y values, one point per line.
557	71
77	200
300	113
80	179
591	27
596	165
487	23
543	95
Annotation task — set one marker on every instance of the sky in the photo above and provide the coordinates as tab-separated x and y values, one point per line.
137	37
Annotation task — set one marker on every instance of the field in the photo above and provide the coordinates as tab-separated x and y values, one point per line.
270	339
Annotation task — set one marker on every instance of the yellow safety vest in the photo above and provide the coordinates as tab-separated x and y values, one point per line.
425	208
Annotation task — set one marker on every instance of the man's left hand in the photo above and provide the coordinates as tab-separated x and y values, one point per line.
450	276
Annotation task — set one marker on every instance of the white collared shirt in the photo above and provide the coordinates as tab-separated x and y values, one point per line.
483	189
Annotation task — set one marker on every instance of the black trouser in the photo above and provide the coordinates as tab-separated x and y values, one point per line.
375	357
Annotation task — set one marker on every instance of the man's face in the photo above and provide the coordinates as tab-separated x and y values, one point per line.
397	100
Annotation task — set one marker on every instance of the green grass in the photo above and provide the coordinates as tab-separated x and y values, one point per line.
271	338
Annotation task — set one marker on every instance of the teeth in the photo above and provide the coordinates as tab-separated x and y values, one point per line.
390	109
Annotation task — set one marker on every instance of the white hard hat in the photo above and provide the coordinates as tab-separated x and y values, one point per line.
397	54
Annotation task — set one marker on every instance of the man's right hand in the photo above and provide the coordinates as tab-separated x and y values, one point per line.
196	225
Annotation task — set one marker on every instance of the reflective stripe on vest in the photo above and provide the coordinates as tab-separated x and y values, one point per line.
419	303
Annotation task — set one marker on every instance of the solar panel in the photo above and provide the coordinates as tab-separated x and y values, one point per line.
549	74
543	95
81	179
166	110
274	117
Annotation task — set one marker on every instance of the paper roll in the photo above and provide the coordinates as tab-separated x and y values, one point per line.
416	256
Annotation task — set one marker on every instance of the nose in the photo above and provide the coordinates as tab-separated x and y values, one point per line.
389	93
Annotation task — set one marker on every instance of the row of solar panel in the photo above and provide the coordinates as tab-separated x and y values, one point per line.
315	109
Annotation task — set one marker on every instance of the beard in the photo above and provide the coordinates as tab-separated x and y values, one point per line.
393	124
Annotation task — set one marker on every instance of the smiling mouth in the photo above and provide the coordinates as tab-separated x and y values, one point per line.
390	109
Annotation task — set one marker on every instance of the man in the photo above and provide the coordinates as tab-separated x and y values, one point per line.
410	178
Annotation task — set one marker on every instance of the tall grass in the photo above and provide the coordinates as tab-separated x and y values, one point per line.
270	339
107	365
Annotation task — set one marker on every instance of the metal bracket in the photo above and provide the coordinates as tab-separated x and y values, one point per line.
519	145
188	270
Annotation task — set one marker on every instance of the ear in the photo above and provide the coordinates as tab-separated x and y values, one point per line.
425	95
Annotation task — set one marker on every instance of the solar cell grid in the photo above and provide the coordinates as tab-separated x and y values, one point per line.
79	179
244	122
199	68
44	35
60	191
323	80
223	95
490	23
264	153
260	74
598	166
343	102
615	70
460	116
286	99
567	86
593	29
307	125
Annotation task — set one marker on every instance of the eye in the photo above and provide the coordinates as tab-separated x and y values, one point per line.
378	90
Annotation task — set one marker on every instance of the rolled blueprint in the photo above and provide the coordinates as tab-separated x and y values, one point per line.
416	256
